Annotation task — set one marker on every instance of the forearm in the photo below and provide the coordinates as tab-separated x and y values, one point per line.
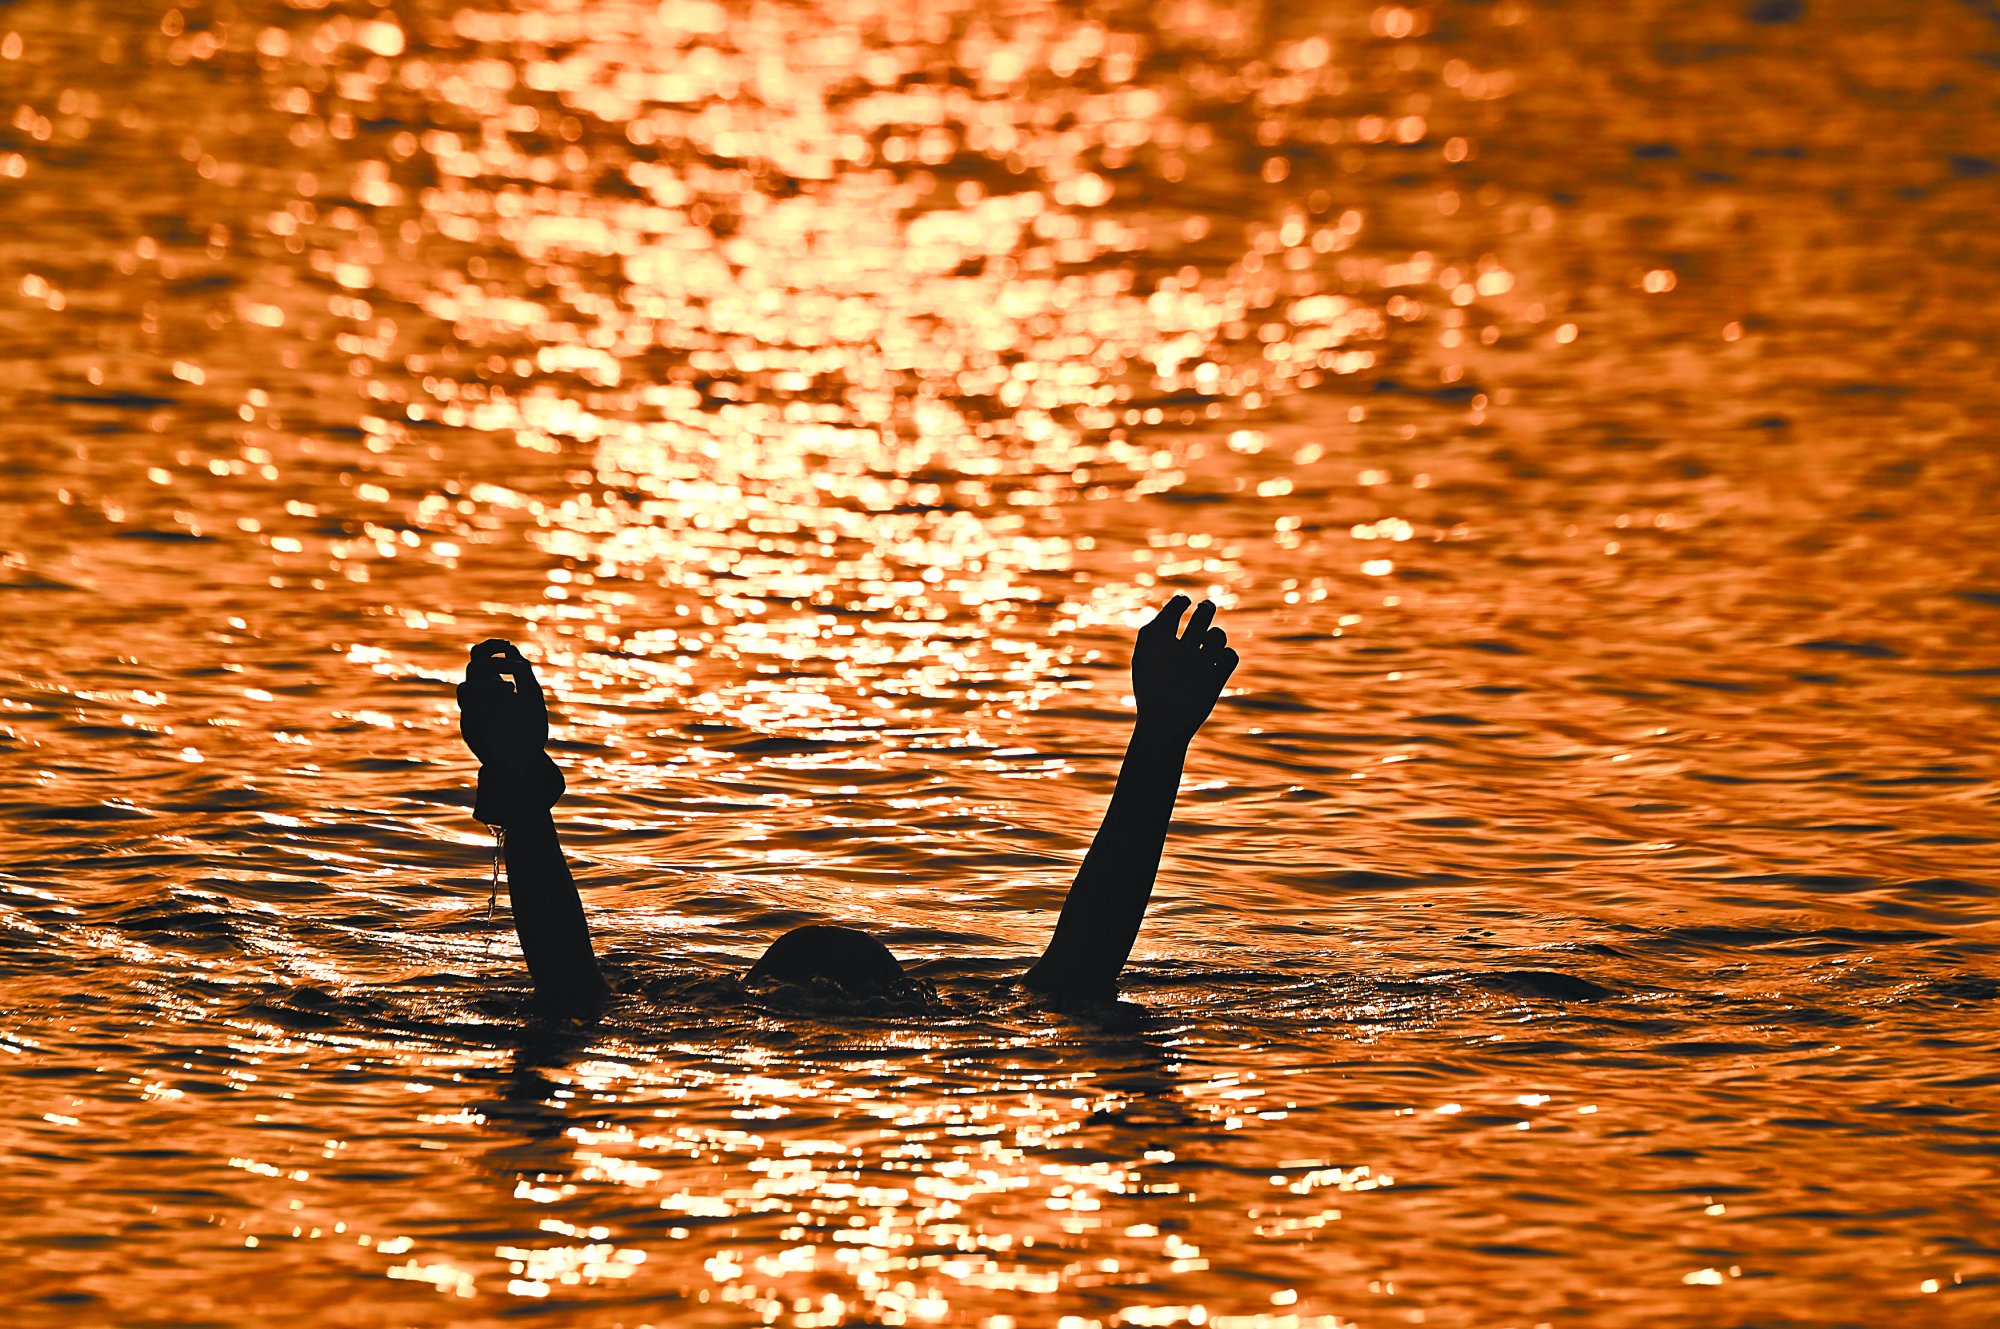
548	915
1107	901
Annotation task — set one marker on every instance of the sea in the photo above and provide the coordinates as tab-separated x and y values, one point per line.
1583	908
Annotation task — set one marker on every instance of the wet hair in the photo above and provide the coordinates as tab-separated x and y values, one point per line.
852	961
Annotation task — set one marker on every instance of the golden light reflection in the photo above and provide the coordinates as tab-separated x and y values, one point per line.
822	393
907	1203
847	312
814	332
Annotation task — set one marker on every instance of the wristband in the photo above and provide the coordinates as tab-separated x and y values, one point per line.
510	794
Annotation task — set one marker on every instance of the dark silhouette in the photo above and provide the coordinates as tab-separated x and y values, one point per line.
1176	678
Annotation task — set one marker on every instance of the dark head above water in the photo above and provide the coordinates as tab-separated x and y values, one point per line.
852	961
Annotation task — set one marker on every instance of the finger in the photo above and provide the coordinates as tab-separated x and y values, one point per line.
1168	621
1215	640
1197	628
485	658
527	684
1227	662
474	715
482	700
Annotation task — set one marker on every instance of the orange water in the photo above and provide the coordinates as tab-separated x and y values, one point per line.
1582	911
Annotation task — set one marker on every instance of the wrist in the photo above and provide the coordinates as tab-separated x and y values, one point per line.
526	823
1159	738
511	794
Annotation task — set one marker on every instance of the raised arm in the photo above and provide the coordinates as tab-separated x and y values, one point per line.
505	721
1176	678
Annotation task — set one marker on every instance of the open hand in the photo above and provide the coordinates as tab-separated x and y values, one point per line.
1176	676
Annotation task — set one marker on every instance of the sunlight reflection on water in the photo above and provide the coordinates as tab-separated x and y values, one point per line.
1582	909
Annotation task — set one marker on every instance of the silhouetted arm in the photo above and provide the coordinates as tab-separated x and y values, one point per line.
1175	680
548	918
505	720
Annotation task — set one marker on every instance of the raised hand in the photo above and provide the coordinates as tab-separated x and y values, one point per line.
502	713
504	718
1176	675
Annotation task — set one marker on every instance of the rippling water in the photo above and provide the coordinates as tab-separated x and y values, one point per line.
1582	910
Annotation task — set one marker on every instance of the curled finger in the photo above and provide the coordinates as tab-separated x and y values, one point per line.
1197	628
1167	622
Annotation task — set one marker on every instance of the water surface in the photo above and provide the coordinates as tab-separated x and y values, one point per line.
1582	908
